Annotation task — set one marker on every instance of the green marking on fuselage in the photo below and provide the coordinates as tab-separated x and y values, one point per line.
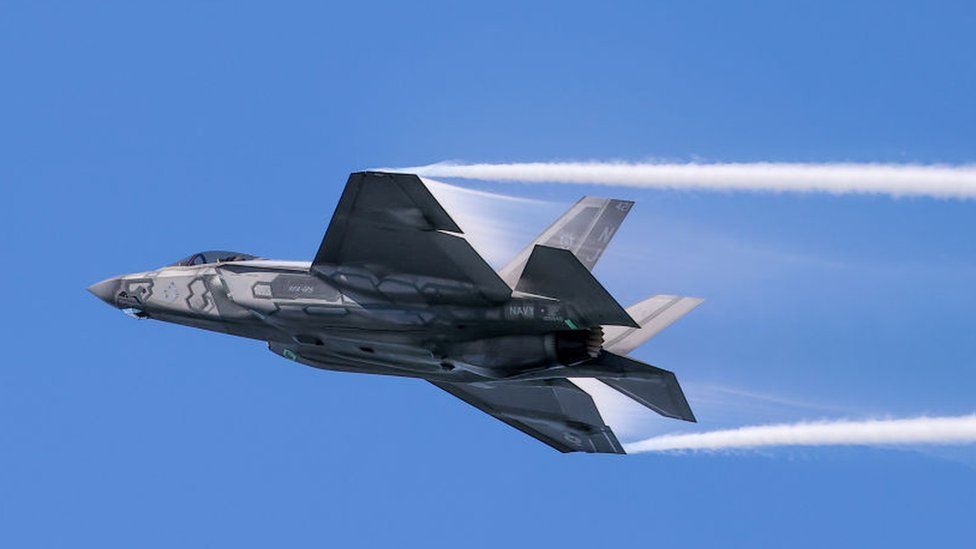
571	324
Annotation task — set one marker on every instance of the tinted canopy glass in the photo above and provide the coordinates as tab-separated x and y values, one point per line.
213	256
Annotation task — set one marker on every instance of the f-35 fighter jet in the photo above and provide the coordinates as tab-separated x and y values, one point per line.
396	289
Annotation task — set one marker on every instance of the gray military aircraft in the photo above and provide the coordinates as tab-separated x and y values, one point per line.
395	289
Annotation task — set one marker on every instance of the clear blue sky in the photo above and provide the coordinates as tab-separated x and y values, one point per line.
131	135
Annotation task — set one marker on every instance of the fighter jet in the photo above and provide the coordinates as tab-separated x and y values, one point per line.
396	289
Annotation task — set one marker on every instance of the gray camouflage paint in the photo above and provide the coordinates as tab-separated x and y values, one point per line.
436	311
280	302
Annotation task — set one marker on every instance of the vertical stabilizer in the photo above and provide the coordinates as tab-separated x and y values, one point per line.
585	229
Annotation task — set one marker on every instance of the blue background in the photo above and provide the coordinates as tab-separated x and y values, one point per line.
135	134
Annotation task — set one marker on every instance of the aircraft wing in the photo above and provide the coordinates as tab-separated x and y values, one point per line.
390	225
554	411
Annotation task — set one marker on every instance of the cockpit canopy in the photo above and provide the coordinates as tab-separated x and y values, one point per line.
212	256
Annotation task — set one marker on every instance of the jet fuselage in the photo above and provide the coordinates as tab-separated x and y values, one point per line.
305	318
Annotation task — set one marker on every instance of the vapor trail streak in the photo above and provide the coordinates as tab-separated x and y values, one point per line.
881	432
933	180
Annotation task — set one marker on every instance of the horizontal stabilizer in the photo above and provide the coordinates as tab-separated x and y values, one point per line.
653	387
557	273
653	314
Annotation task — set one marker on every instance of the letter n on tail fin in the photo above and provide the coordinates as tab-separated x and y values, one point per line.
585	230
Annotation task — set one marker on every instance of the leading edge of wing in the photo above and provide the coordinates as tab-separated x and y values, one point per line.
391	225
394	200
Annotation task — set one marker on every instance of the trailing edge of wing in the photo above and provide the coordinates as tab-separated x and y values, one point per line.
557	273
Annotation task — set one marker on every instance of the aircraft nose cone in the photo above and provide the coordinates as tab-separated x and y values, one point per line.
106	290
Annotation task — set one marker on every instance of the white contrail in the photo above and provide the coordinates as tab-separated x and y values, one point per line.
881	432
930	180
